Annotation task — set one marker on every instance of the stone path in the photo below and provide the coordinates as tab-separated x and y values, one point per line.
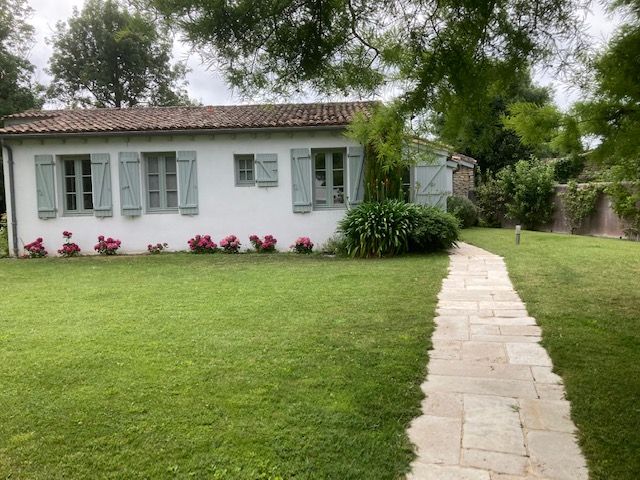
493	410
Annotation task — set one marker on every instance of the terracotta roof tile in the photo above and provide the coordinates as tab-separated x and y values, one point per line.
147	119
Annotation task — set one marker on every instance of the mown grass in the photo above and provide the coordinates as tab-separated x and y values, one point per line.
585	293
234	367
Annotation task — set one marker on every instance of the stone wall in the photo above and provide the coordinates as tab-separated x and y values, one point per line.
463	181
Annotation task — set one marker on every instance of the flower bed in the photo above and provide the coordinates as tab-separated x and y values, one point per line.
303	245
263	245
35	249
108	246
68	249
202	244
230	244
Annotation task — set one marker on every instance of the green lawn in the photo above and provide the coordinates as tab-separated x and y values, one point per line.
585	293
251	366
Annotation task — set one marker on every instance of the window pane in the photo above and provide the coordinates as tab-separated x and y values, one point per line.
171	165
338	180
320	187
86	184
154	182
337	160
69	167
172	199
154	199
86	167
88	201
172	182
338	196
70	184
242	176
71	202
250	175
319	161
152	165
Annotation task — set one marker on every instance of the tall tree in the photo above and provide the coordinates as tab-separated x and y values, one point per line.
478	130
431	51
107	56
18	91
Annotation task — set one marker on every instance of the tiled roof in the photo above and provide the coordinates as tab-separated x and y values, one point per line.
150	119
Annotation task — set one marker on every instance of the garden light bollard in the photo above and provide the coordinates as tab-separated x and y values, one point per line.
518	230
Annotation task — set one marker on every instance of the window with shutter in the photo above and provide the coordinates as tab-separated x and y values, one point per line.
45	186
129	179
101	178
301	180
188	178
161	181
77	184
244	170
356	175
329	178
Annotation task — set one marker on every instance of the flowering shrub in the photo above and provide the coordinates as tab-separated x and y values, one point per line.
230	244
267	244
68	249
157	248
202	244
303	245
35	249
108	246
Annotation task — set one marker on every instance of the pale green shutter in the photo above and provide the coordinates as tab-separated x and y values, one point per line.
301	179
45	185
129	169
266	169
356	175
188	183
431	183
101	179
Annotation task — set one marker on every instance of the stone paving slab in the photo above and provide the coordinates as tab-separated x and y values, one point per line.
494	409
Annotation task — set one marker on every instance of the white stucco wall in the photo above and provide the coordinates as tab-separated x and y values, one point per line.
223	208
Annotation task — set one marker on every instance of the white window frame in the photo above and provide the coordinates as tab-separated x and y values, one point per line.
244	157
162	182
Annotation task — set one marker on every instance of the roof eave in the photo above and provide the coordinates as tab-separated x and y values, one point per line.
153	133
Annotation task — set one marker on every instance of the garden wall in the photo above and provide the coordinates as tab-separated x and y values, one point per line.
604	222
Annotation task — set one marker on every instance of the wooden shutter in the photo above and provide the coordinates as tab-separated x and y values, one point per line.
301	179
187	183
266	169
355	156
45	185
101	179
431	183
130	203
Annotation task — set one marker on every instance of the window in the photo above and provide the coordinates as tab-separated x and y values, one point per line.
329	175
245	173
77	186
161	181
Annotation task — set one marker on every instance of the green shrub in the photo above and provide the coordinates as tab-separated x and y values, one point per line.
335	245
568	168
432	229
490	202
579	203
464	210
527	188
4	236
374	229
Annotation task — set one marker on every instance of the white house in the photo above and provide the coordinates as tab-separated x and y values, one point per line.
149	175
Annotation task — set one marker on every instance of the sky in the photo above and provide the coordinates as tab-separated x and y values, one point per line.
207	85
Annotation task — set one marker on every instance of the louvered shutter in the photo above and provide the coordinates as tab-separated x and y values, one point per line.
45	185
301	179
355	156
101	184
129	170
266	169
188	183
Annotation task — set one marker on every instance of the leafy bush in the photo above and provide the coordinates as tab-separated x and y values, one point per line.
527	188
35	249
302	245
335	245
490	202
202	244
464	210
107	246
157	249
68	249
625	201
4	236
263	245
230	244
579	204
568	168
374	229
432	229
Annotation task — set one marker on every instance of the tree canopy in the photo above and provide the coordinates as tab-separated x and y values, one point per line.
107	56
432	52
